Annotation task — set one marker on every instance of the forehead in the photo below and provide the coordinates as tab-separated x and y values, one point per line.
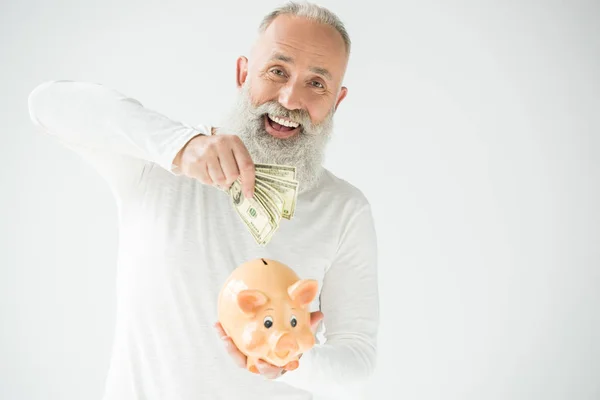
305	41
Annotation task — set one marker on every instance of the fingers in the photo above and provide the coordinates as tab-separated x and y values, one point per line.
262	367
268	370
315	318
216	172
221	161
246	168
202	174
292	365
197	170
229	167
237	356
220	330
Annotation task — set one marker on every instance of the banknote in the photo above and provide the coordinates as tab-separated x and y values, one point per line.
281	171
288	190
270	193
275	196
253	214
274	214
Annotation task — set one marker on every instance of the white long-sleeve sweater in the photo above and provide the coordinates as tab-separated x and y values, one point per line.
180	239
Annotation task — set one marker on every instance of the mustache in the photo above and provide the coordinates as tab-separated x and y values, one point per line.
274	108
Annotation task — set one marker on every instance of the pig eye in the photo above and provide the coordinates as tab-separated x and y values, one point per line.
293	321
268	322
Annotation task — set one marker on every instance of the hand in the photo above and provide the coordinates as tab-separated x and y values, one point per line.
264	368
217	160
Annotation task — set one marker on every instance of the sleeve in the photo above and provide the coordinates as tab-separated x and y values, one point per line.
116	134
350	304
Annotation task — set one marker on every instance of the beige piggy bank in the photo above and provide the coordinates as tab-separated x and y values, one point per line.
263	307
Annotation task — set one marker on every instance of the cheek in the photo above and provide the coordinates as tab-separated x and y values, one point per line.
253	338
317	115
318	110
262	91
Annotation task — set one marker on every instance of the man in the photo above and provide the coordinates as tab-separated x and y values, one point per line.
179	237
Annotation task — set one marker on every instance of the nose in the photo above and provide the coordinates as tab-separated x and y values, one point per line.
286	344
290	97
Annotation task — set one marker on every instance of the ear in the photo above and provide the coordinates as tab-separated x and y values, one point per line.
241	71
249	301
341	96
303	291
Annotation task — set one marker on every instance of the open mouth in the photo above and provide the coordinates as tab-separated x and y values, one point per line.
281	128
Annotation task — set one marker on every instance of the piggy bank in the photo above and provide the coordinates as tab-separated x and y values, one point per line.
263	308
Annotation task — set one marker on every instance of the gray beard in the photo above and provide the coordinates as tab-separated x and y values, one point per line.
305	150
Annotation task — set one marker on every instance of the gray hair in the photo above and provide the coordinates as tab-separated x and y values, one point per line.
310	11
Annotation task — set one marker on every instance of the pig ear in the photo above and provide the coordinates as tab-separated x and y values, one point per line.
303	291
251	300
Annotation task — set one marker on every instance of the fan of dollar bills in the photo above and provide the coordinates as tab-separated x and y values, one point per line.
275	194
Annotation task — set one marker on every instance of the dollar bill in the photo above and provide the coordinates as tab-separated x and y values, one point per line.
269	204
280	171
286	188
257	219
274	214
271	194
275	195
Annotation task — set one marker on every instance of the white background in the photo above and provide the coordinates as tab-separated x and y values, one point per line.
473	128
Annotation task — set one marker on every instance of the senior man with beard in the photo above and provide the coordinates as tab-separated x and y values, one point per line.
179	237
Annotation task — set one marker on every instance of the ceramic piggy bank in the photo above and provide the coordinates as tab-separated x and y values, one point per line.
263	307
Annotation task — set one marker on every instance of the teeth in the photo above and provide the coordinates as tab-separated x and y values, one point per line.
284	122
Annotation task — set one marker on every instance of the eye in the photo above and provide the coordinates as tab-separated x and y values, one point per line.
277	71
268	322
317	84
293	321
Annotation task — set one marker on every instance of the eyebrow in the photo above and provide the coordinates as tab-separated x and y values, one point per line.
287	59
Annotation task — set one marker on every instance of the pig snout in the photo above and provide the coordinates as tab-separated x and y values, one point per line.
285	345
